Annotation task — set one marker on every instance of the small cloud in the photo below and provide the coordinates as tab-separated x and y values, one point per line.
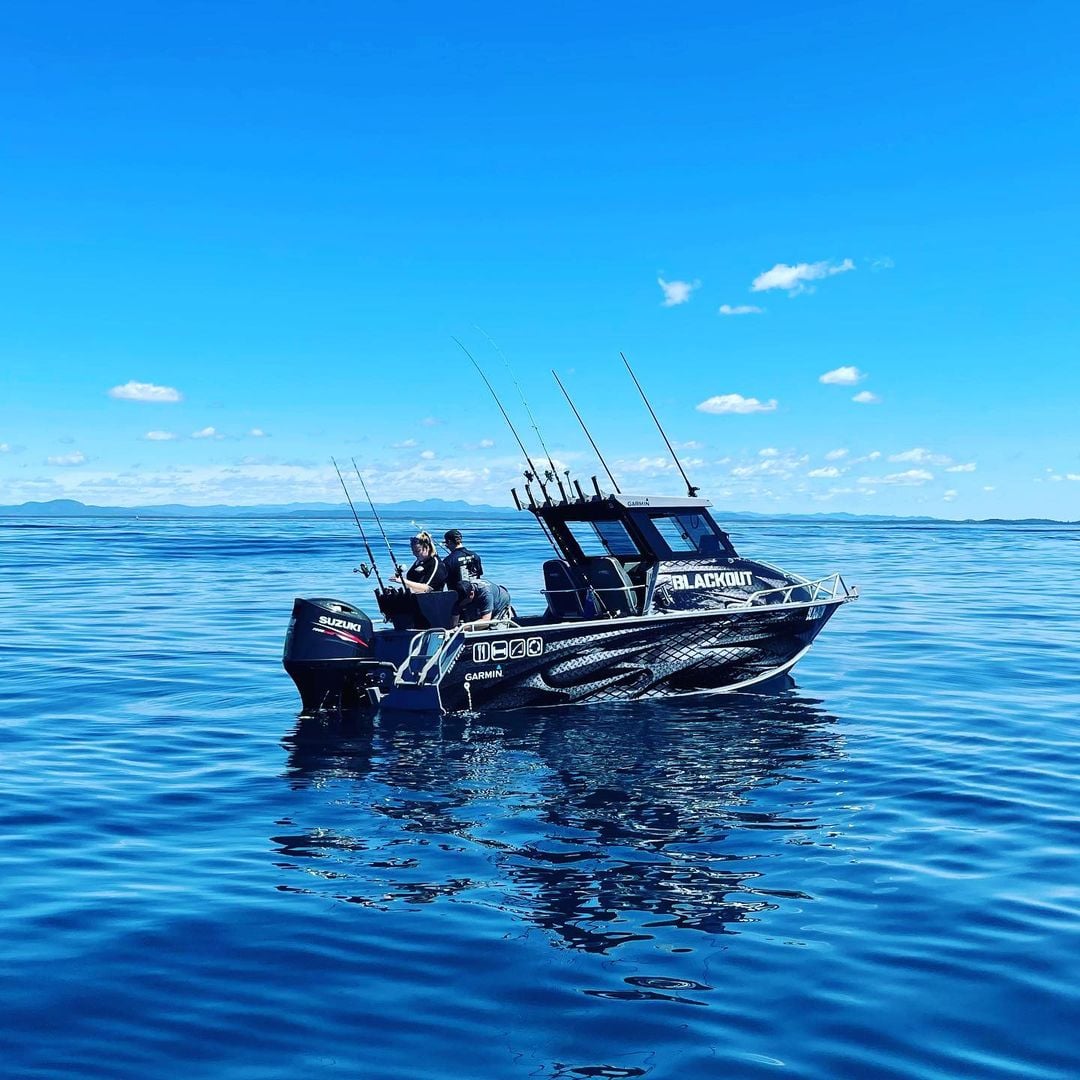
77	458
256	433
842	376
736	403
1072	476
4	448
909	478
968	467
769	451
988	487
141	391
921	456
486	444
740	309
836	455
676	292
882	262
159	436
864	397
428	455
430	421
950	495
829	472
405	444
207	433
794	278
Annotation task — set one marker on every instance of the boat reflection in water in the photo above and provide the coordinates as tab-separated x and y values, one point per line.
647	816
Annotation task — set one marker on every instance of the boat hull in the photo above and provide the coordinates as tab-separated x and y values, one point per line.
562	663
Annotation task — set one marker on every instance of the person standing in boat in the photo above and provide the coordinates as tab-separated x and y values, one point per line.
426	574
459	562
481	601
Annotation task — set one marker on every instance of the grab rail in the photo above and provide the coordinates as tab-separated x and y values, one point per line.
438	657
823	590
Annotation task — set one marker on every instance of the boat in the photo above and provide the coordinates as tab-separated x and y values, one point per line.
646	598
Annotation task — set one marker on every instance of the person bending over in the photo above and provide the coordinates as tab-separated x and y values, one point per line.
426	574
482	601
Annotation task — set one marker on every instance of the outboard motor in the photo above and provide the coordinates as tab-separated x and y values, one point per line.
323	636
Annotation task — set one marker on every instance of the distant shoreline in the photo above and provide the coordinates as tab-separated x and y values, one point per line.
443	509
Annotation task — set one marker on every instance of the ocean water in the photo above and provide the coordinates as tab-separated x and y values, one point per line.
871	872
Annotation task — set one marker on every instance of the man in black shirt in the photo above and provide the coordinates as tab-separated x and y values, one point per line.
460	563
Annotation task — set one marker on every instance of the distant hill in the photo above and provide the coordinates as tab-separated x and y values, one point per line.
441	510
71	508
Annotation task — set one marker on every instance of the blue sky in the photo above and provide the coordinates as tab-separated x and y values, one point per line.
837	242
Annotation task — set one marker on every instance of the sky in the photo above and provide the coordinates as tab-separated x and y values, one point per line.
837	242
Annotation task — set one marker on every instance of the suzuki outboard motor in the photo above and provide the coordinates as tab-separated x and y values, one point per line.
322	636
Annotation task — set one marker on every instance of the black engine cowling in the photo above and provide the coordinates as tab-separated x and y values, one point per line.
323	636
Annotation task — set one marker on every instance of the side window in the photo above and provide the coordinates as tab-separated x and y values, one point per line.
675	535
689	534
603	538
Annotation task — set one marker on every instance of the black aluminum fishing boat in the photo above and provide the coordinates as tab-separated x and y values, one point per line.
648	599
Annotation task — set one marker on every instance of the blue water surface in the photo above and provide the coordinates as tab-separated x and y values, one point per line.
871	872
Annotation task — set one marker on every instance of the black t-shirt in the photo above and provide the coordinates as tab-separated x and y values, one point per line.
427	571
461	563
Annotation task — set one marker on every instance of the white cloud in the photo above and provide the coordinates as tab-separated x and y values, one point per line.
740	309
989	487
835	455
486	444
950	495
769	451
428	455
4	448
921	456
207	433
257	433
912	477
842	376
736	403
1072	476
794	278
141	391
864	397
159	436
968	467
405	444
882	262
829	471
76	458
676	292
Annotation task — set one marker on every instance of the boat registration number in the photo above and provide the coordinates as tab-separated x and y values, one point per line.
487	652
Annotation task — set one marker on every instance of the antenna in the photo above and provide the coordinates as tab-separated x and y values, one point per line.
554	473
690	489
588	436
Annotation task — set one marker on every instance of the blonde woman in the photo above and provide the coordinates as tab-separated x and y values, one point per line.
426	574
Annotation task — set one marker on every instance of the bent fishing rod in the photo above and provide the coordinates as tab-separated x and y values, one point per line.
378	520
554	473
356	517
570	402
690	489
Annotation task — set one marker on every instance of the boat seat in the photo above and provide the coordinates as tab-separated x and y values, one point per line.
563	588
609	579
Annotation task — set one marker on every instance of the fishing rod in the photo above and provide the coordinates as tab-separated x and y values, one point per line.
356	517
553	474
690	489
393	557
532	473
587	435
